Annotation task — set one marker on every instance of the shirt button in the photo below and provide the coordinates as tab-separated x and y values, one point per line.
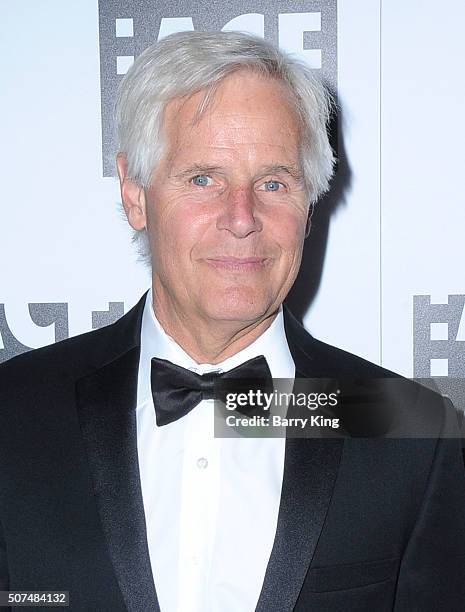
202	463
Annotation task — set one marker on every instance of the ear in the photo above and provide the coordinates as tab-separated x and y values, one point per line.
132	195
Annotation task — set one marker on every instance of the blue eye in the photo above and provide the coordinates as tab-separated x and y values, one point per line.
272	185
201	180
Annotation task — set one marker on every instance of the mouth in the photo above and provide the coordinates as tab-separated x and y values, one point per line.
238	264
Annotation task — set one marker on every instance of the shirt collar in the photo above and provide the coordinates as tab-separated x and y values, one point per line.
155	342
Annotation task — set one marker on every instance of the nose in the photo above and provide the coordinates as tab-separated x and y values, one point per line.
239	214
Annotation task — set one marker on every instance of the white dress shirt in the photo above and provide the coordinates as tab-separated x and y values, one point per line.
211	504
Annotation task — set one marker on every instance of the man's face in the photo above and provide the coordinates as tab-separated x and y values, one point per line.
226	211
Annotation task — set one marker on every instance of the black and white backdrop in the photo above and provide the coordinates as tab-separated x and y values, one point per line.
383	270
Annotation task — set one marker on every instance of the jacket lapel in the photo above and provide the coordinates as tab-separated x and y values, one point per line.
310	470
106	401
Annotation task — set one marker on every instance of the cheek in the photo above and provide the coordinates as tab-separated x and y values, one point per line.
177	230
288	231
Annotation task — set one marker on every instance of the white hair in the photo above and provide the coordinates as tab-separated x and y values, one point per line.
185	63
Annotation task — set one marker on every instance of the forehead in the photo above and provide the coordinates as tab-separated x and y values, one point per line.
247	111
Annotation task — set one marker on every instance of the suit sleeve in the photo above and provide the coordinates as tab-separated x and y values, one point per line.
4	580
432	572
4	576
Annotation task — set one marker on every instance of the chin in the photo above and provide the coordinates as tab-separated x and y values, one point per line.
236	306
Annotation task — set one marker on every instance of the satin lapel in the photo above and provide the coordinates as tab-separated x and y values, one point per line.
310	470
106	410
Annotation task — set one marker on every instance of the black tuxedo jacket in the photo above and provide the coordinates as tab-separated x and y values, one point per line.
364	524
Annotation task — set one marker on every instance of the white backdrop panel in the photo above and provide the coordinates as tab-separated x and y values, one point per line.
397	234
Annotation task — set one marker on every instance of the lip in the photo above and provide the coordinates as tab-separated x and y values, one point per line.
238	264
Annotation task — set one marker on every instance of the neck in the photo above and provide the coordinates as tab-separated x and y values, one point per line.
208	341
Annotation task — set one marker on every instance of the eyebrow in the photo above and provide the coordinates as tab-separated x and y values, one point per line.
200	168
196	169
292	170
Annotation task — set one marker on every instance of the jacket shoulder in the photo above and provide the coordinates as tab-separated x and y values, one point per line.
74	357
52	361
326	360
426	409
349	363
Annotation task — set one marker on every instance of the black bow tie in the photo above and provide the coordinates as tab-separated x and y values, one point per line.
176	391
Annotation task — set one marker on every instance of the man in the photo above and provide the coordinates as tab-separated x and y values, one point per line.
113	486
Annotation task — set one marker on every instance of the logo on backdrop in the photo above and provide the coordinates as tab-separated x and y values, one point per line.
16	334
307	28
439	346
439	337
